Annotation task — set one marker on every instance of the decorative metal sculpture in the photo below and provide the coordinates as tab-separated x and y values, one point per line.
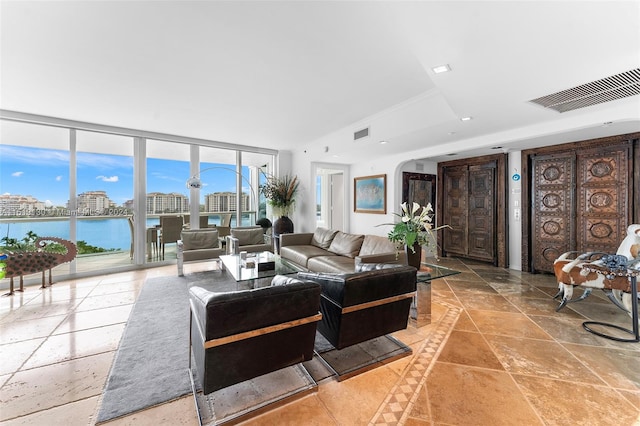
23	263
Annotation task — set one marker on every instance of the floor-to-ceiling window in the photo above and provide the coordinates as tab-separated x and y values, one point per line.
82	182
104	196
35	181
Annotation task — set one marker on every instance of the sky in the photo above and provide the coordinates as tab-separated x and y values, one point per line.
44	174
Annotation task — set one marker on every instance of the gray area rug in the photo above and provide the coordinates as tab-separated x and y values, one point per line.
152	361
151	366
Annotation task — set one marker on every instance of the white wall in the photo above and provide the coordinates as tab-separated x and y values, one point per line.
516	209
361	223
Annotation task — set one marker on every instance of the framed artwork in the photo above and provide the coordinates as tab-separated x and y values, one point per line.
370	194
419	187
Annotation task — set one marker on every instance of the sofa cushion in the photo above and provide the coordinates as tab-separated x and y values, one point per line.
331	264
199	239
375	244
248	237
302	254
322	237
344	244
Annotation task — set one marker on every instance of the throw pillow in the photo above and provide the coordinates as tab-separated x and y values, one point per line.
344	244
322	237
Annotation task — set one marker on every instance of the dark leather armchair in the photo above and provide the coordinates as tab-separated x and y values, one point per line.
360	306
239	335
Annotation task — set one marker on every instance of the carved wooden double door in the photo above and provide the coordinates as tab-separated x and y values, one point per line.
472	202
580	201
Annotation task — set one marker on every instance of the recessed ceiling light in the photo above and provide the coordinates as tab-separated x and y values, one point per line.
383	142
496	147
466	119
441	68
607	123
452	154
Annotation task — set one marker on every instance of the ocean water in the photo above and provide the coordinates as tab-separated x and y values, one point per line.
108	233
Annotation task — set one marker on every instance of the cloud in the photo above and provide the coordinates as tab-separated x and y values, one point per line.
17	174
107	178
33	156
58	178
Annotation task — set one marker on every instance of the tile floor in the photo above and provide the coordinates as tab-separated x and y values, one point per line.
496	352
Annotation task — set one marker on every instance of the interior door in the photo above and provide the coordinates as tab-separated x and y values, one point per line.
603	198
552	208
580	202
481	220
456	211
336	213
472	199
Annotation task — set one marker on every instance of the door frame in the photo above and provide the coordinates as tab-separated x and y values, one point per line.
527	195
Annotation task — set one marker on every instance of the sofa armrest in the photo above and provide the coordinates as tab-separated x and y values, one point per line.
232	245
180	256
299	239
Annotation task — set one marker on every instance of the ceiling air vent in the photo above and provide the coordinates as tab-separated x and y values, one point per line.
605	90
364	133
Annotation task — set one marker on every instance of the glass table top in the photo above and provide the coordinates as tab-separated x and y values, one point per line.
429	271
257	266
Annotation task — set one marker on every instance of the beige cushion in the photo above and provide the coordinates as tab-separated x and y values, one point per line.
199	239
248	237
374	244
346	244
322	237
302	254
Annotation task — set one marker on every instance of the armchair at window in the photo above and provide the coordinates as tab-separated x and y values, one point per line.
250	239
198	244
170	228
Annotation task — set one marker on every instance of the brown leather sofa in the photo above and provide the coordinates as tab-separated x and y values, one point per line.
360	306
327	250
239	335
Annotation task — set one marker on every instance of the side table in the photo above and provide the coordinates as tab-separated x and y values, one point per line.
632	275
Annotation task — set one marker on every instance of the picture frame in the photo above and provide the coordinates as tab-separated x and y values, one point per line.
370	194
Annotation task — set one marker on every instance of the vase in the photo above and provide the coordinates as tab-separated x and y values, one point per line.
282	225
414	259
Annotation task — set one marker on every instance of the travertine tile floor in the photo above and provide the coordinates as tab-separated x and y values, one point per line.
495	353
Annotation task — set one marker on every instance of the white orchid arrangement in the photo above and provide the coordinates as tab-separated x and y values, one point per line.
415	226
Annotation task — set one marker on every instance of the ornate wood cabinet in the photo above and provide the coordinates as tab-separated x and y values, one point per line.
472	202
581	198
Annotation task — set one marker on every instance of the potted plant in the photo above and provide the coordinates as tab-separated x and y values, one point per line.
280	193
414	230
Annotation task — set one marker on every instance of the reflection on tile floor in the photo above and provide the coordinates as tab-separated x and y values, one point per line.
496	352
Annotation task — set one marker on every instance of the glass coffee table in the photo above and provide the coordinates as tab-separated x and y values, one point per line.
257	267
